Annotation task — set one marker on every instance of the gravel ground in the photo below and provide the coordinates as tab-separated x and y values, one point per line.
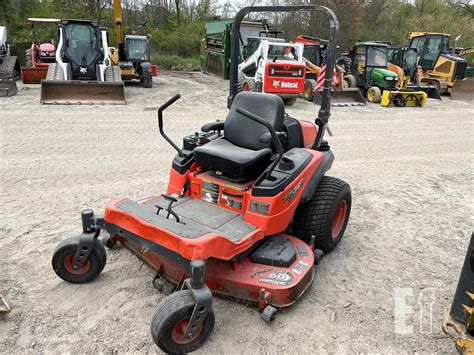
411	175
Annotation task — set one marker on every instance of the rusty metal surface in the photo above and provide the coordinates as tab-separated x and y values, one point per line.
33	75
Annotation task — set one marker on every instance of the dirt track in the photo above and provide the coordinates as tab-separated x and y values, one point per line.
411	177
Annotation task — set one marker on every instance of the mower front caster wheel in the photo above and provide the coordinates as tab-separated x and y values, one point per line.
170	321
269	314
63	261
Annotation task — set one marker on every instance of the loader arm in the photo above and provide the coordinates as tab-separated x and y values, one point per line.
119	35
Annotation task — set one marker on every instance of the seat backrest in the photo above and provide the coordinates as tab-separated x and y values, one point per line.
244	132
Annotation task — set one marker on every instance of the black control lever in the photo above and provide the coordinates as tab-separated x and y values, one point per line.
169	209
160	123
273	133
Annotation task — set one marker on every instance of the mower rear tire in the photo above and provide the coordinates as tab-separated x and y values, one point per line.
325	217
63	259
170	320
290	102
374	94
268	314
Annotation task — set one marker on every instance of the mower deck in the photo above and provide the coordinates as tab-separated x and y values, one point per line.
282	283
198	218
203	231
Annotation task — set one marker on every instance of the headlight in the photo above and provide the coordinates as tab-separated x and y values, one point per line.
44	54
389	78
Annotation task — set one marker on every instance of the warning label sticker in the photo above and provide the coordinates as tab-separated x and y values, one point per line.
298	269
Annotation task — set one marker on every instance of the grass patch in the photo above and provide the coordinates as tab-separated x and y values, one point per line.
174	62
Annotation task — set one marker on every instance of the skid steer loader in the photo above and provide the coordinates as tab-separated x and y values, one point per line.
342	94
275	67
9	67
83	72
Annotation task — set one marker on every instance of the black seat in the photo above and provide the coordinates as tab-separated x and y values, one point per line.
240	154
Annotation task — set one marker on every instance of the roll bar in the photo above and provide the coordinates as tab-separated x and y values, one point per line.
325	110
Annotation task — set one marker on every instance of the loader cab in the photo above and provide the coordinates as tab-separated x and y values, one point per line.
434	55
405	58
254	42
137	48
429	47
81	47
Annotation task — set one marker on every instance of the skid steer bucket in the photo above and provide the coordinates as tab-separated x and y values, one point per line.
341	98
463	90
76	92
8	87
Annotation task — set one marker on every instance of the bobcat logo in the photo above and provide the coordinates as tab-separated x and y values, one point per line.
276	83
83	70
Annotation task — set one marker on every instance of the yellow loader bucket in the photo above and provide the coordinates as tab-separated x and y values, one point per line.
77	92
463	90
400	98
341	98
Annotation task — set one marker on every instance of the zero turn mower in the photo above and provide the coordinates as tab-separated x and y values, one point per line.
222	226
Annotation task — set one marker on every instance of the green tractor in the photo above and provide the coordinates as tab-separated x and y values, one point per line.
366	65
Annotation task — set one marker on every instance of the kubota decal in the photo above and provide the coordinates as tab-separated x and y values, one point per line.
291	194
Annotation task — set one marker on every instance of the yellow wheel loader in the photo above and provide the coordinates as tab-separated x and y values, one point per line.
83	72
441	67
459	322
132	53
